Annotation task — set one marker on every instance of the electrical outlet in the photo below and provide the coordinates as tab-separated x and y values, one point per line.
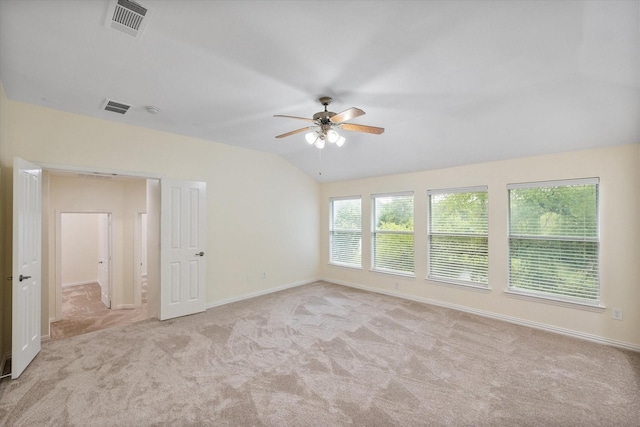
264	275
616	314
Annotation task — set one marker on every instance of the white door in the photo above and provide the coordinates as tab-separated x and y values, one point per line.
104	258
27	217
182	248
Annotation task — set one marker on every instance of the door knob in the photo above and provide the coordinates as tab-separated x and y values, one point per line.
200	254
21	278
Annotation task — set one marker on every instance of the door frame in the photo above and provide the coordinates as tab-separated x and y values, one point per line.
105	297
58	257
153	197
137	258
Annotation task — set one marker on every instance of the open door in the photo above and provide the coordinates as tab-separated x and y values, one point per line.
104	259
27	217
182	248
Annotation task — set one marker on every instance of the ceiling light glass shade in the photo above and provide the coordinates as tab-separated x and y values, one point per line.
340	141
311	137
320	143
332	136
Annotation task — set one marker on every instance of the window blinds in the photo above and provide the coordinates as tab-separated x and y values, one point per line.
393	233
346	232
458	236
554	240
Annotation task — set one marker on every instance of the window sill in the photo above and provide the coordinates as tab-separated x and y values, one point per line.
393	273
595	307
350	266
458	285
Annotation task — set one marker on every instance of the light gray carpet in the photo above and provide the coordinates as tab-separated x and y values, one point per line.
325	355
83	312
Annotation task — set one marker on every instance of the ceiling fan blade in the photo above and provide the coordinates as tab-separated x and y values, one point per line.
294	117
362	128
349	114
293	132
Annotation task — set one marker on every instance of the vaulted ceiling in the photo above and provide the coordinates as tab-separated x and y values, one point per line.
452	82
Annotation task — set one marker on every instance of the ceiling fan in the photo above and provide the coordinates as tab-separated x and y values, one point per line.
325	124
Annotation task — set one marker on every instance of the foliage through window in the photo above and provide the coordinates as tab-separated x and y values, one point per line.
346	232
553	240
393	233
458	236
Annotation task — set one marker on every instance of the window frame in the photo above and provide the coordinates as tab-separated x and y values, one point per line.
375	232
430	234
332	231
541	295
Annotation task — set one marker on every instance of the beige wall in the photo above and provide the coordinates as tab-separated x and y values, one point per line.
79	248
262	213
619	171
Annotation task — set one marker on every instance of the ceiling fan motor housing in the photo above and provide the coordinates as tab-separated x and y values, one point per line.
323	116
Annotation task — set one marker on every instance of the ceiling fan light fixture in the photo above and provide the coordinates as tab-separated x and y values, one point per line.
319	143
340	141
332	136
311	137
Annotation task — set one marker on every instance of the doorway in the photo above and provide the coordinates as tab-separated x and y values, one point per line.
83	283
83	253
95	233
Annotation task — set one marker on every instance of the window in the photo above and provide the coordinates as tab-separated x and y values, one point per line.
345	238
393	233
553	240
458	239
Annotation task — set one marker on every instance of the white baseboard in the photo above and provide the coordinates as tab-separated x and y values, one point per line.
86	282
514	320
260	293
124	306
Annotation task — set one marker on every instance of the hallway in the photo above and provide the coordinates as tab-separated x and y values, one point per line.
83	312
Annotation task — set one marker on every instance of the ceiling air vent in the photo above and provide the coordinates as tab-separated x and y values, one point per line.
128	17
116	107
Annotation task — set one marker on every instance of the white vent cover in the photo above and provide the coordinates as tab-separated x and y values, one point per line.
95	175
115	106
128	17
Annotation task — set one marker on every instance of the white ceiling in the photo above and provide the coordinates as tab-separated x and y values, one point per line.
452	82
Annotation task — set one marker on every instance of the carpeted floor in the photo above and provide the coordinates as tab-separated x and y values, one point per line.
325	355
83	312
